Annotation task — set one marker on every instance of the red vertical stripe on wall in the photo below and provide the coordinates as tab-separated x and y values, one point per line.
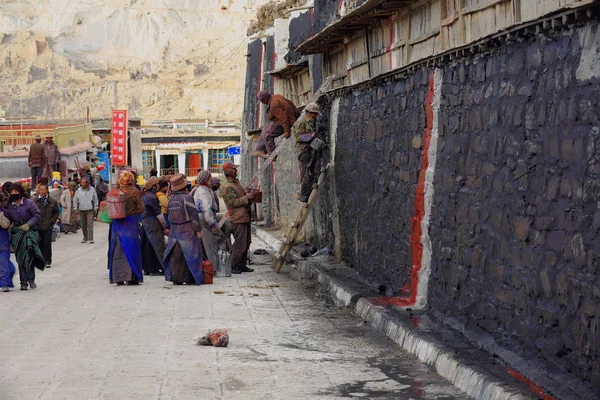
419	211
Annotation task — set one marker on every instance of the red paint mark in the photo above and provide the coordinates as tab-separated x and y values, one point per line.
416	321
339	10
419	213
541	392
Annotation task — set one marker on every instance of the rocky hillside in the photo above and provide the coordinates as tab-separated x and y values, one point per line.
171	58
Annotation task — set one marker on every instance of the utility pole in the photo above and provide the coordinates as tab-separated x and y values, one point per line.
21	102
9	109
116	105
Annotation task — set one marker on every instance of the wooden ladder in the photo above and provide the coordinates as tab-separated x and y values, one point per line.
290	239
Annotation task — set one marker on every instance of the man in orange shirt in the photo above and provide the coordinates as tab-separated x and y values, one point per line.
282	114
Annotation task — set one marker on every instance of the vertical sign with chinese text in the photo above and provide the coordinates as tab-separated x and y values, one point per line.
118	144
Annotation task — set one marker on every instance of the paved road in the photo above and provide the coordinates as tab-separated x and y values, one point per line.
77	337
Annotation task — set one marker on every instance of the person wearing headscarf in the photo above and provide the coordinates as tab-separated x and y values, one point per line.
282	114
207	210
183	256
7	268
153	240
125	244
69	214
24	216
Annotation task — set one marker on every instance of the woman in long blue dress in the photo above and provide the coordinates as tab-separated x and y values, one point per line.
125	244
7	268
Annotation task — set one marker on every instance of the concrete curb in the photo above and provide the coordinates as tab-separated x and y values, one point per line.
468	377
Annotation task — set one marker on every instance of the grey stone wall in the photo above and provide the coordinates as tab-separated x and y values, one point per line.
516	214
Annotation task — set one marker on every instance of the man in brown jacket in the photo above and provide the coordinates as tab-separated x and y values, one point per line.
282	113
53	156
238	208
37	160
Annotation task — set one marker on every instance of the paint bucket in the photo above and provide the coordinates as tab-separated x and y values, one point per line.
257	197
207	272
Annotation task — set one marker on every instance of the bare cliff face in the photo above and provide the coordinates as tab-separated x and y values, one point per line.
171	58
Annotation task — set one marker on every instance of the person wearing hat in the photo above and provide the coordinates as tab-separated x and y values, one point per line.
24	216
207	210
37	160
238	208
153	240
52	156
124	243
282	114
304	133
86	204
183	257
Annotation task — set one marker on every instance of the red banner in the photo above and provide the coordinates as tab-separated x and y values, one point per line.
118	142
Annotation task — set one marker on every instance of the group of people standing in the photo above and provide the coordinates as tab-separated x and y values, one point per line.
27	223
189	218
43	159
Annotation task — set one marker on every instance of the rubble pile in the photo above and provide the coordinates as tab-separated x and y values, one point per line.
271	11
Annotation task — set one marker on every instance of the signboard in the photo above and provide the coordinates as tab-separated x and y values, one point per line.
235	150
118	142
105	158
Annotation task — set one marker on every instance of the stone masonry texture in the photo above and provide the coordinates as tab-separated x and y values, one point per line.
515	221
516	218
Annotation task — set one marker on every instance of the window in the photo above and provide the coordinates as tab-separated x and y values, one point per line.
218	157
148	158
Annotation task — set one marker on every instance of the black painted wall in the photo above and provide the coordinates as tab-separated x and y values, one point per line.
250	117
300	31
325	13
376	174
516	223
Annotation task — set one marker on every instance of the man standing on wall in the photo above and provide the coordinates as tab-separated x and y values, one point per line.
48	216
238	208
282	113
53	157
304	133
37	160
